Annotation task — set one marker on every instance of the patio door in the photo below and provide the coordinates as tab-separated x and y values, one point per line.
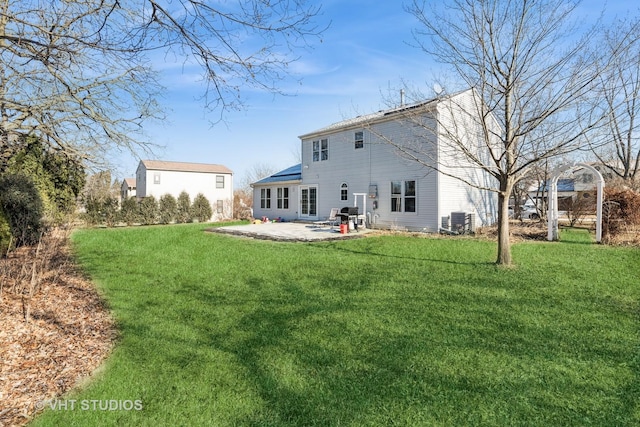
309	202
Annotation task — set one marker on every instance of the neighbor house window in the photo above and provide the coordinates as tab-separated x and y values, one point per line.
282	197
344	191
359	139
219	181
320	150
156	178
265	198
220	206
403	190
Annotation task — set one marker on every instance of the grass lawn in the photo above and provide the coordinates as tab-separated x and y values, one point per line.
389	330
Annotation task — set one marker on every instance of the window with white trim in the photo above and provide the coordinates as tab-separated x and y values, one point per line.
403	196
409	196
156	178
359	139
320	150
265	198
282	197
344	191
220	206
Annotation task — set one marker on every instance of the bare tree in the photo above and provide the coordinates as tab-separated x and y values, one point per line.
243	195
256	173
78	74
530	69
619	100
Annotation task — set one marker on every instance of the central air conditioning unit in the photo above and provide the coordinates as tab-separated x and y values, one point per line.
463	222
458	221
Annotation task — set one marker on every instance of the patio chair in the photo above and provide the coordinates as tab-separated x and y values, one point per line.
333	219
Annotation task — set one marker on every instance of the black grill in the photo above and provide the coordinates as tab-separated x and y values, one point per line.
346	213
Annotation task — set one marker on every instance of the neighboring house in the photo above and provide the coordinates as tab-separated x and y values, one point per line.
352	163
128	188
157	178
580	185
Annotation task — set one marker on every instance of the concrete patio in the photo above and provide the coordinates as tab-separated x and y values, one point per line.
289	231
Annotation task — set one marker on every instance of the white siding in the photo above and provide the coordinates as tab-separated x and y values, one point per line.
393	141
273	211
377	163
125	192
463	185
160	182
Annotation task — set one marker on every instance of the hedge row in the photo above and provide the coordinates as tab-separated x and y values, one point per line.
148	210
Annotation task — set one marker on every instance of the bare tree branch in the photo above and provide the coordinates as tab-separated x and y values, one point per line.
79	74
619	99
531	68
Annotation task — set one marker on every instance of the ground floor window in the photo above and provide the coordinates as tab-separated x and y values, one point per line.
344	191
403	196
282	197
220	206
265	198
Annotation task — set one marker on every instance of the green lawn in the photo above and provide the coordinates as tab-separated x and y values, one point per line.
392	330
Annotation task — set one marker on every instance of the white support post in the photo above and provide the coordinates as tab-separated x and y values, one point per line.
600	197
552	215
364	206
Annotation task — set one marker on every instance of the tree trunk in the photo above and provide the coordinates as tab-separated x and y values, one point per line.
504	242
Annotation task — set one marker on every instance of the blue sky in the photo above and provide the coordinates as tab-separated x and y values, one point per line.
365	55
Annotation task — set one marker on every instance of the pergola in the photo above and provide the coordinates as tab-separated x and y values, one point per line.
552	217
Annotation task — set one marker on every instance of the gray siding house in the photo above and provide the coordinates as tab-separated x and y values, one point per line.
399	174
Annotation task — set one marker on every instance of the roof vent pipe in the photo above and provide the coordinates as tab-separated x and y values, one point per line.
402	97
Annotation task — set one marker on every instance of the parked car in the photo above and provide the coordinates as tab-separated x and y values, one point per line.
529	211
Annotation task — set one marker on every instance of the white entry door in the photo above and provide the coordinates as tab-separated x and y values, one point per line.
309	202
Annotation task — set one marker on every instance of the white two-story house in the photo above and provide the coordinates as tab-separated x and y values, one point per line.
127	189
393	164
157	178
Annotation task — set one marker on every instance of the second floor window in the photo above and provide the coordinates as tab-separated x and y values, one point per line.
587	178
219	181
320	150
359	139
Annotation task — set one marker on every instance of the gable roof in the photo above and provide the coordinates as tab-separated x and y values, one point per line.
380	115
131	182
184	167
293	173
